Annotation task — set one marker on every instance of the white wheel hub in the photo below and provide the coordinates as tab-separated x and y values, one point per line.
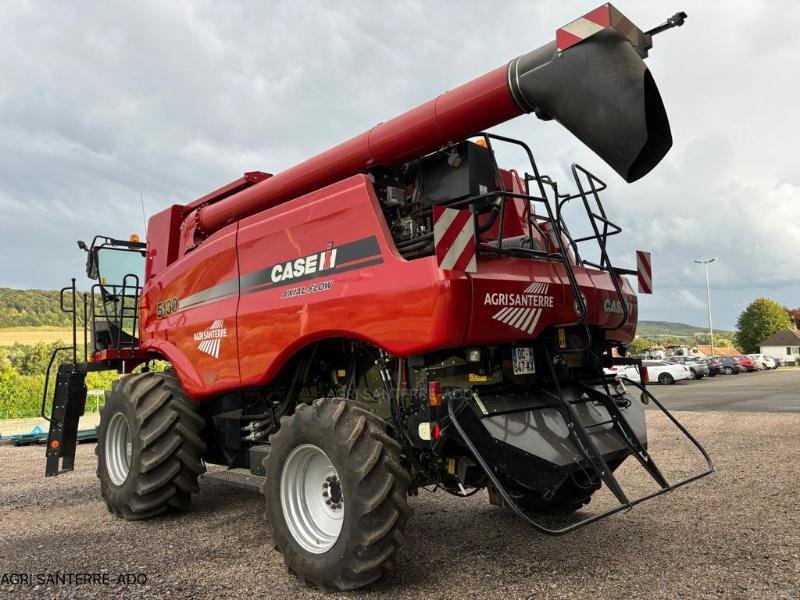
118	449
311	498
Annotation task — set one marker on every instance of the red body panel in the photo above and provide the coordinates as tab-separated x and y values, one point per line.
174	336
163	237
404	307
240	317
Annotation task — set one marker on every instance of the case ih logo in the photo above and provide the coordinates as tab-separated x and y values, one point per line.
613	307
521	311
211	339
305	265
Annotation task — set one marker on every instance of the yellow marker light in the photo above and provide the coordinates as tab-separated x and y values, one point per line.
562	339
434	393
134	237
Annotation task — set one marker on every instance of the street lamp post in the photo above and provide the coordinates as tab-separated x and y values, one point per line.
708	299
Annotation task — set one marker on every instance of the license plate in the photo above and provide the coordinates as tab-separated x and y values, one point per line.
522	359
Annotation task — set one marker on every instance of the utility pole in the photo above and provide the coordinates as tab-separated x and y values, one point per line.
708	299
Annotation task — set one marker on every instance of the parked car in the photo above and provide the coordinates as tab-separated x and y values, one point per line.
766	362
714	366
749	364
779	362
732	365
657	370
697	368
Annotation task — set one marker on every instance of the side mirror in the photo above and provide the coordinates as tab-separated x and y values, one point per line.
82	246
91	265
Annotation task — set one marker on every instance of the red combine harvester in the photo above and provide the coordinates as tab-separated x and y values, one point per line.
397	312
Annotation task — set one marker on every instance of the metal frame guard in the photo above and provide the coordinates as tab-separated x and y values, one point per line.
587	521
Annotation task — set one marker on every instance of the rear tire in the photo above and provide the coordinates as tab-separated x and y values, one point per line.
340	443
148	447
728	371
665	379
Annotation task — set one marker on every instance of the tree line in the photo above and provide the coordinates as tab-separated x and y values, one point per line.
32	308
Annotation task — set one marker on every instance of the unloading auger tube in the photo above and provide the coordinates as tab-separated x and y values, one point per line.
592	79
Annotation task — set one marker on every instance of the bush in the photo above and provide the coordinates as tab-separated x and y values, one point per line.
22	375
20	395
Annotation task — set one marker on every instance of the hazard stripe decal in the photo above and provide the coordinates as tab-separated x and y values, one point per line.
454	239
644	270
597	20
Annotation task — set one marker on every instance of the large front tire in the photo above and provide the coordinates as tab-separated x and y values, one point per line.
336	494
148	447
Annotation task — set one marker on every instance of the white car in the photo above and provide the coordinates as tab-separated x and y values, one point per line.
763	361
657	370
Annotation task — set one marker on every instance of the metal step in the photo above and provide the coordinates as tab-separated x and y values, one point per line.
238	477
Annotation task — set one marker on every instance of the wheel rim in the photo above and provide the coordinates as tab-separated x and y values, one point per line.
311	499
118	449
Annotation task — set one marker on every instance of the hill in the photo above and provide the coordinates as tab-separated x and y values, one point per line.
32	308
658	328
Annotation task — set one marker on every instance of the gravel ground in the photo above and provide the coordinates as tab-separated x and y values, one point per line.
735	534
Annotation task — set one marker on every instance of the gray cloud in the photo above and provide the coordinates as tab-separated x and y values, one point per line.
101	103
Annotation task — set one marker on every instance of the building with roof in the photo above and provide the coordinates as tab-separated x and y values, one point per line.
702	351
784	344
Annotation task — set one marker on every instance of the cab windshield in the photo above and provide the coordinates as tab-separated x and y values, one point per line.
114	265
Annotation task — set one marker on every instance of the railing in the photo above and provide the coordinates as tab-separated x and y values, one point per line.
71	309
125	313
602	229
556	229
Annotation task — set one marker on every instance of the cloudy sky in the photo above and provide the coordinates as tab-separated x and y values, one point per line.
104	104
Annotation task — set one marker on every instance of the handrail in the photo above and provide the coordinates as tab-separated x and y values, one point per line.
47	378
609	228
120	293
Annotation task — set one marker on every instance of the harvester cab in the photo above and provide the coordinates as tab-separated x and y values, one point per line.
118	268
397	312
